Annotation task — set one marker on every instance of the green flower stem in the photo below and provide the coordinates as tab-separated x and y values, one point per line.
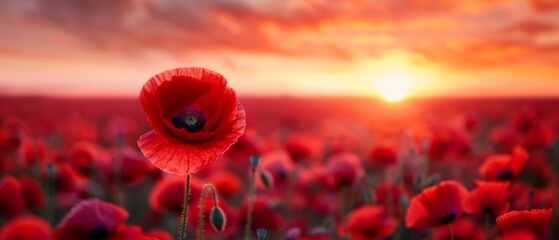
451	231
487	225
202	204
553	233
250	204
185	208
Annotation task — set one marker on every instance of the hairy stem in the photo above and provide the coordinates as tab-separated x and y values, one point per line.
185	208
250	204
451	231
202	204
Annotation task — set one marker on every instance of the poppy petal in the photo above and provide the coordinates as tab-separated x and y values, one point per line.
94	213
184	158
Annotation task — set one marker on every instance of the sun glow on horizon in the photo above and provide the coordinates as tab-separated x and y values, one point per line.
394	85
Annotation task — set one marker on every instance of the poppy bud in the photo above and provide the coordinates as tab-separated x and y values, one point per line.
218	219
254	161
293	233
261	233
266	179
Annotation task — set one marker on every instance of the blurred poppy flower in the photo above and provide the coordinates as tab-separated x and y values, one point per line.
298	150
487	198
543	199
436	205
370	222
27	152
26	228
12	200
525	119
518	235
539	137
195	119
464	229
159	234
538	171
227	183
343	170
94	219
121	129
66	178
168	194
536	221
504	138
504	167
34	197
279	165
447	144
519	195
384	155
134	165
263	215
84	156
388	195
250	143
13	133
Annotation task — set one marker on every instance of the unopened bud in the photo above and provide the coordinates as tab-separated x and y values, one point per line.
254	159
261	233
218	219
266	179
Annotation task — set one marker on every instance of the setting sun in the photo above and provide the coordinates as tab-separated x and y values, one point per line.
394	85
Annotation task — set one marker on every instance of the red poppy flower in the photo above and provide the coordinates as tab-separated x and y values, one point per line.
94	219
250	143
525	119
12	200
504	167
436	205
540	136
263	215
26	228
168	194
134	166
388	195
13	132
66	178
84	156
535	220
447	144
519	195
504	138
464	229
343	170
159	234
538	169
34	197
370	222
195	119
298	150
279	165
487	198
518	235
384	155
227	183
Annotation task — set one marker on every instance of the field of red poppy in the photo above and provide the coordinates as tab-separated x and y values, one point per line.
321	168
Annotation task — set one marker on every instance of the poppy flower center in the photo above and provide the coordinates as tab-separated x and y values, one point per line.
99	232
505	176
448	219
190	119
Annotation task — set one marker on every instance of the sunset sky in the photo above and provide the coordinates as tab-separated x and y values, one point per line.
288	47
